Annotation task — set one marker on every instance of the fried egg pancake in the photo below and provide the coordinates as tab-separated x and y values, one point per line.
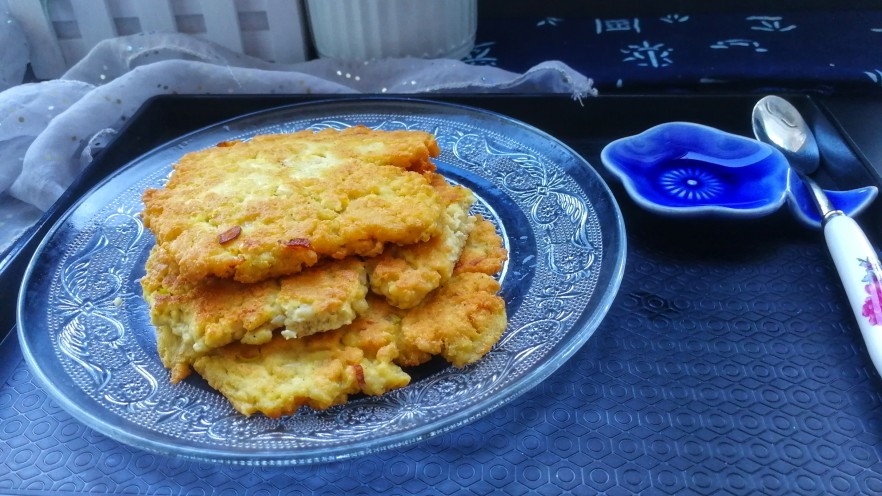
406	274
192	318
319	371
483	251
273	205
461	321
464	318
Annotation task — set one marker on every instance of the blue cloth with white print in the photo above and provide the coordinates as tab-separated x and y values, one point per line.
815	51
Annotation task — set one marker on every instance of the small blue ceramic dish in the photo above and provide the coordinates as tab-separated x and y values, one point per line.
686	169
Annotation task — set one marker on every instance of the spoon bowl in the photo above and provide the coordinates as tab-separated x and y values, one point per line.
777	122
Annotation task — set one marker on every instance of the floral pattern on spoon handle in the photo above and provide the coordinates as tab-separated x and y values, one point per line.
872	308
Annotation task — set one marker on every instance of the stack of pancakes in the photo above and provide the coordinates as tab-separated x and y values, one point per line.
300	269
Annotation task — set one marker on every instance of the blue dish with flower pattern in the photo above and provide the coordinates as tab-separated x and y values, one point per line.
687	169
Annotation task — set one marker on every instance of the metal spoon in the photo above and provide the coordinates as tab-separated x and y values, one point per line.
778	123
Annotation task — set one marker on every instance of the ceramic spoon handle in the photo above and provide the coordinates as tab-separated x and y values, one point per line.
858	267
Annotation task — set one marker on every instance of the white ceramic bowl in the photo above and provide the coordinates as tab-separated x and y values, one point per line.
375	29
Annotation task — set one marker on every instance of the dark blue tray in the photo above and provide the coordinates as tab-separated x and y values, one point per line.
729	363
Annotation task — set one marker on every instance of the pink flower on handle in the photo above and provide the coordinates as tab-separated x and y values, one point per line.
872	308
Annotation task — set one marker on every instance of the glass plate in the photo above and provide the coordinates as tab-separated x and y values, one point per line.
86	333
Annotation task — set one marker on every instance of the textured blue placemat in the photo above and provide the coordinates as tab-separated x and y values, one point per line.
729	364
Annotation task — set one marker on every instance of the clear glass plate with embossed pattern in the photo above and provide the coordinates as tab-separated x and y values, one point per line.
86	333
